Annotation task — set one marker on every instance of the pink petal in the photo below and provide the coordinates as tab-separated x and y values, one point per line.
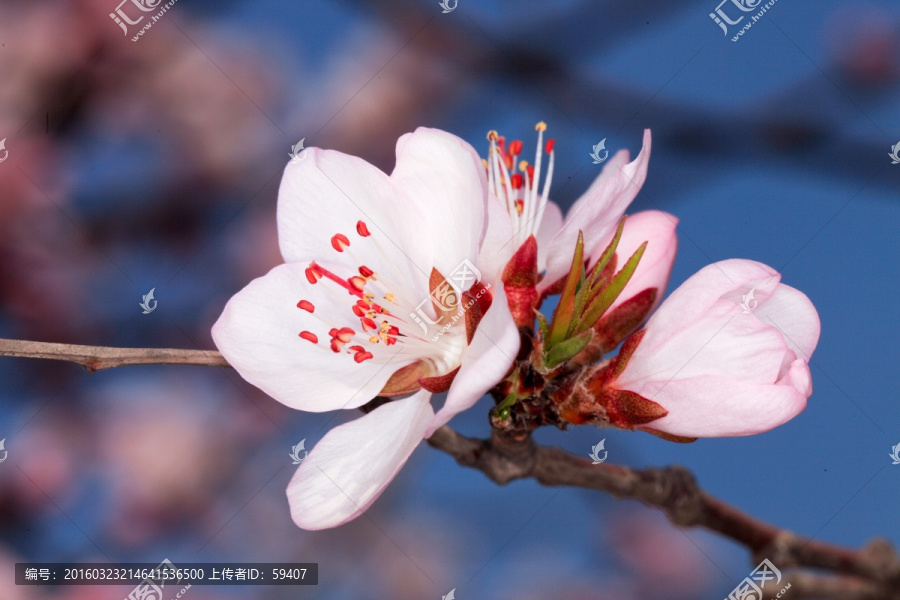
598	211
728	279
658	229
723	342
259	334
792	313
352	465
484	363
445	178
721	406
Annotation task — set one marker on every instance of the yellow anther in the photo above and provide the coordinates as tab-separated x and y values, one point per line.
493	135
540	126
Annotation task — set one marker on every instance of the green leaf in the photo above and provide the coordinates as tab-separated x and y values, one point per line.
507	402
543	324
565	310
602	301
594	280
567	349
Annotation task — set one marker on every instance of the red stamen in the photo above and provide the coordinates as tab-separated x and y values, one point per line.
362	230
361	356
357	282
550	143
530	170
312	273
515	148
309	336
368	324
357	348
345	334
516	181
366	271
520	206
339	241
306	305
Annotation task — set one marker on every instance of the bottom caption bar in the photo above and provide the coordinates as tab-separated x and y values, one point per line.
154	578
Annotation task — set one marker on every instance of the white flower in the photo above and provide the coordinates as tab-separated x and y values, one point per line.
338	323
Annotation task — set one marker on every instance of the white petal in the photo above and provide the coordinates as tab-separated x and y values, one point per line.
598	211
484	363
328	193
445	178
259	334
551	223
497	247
352	465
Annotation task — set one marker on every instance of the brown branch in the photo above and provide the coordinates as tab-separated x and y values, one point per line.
96	358
872	573
873	570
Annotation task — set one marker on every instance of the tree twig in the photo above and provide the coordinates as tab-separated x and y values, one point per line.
871	573
96	358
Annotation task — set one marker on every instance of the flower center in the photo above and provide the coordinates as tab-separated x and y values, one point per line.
516	183
384	321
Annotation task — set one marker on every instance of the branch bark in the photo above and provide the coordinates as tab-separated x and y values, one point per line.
871	573
97	358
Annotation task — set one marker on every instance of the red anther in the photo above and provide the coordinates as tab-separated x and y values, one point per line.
377	308
530	171
520	206
343	335
549	146
357	283
362	230
501	142
358	310
366	271
339	241
515	148
508	161
516	180
368	324
356	348
312	273
361	356
309	336
306	305
336	346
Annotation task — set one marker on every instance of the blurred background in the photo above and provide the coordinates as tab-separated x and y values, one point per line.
156	164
